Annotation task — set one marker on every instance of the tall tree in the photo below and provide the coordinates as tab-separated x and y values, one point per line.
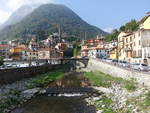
113	35
131	26
122	28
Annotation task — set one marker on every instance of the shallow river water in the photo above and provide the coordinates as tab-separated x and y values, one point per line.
59	104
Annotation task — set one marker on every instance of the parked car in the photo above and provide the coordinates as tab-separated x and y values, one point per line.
14	65
8	65
140	67
2	67
124	63
108	60
23	65
115	61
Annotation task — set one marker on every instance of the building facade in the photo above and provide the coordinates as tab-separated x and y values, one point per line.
98	53
5	51
134	47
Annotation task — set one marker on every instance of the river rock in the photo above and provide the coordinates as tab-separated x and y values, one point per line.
100	111
30	92
42	91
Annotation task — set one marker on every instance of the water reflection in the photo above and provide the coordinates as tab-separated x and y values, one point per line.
56	105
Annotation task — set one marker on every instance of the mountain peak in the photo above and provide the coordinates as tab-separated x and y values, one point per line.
46	18
19	14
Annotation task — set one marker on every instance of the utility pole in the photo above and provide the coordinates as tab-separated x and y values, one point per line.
59	31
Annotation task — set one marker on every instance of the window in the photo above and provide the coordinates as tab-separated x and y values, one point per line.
134	44
131	46
139	42
127	40
139	34
130	38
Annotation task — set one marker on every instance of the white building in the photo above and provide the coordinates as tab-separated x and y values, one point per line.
98	53
141	48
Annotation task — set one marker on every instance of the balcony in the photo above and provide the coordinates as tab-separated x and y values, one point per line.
128	49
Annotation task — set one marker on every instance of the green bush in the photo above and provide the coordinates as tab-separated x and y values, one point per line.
1	61
45	79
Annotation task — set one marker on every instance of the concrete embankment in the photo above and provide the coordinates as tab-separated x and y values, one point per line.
8	76
116	71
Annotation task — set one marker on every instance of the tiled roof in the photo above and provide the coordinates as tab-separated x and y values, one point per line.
4	46
143	19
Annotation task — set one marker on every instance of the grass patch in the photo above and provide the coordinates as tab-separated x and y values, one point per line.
45	79
105	80
130	85
104	104
147	99
6	103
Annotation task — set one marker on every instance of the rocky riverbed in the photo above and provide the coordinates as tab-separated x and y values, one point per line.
113	98
120	95
14	95
22	92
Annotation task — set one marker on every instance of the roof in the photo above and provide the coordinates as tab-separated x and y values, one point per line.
128	34
143	19
4	46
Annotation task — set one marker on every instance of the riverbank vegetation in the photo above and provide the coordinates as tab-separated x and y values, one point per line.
104	104
12	95
44	79
105	80
147	99
122	96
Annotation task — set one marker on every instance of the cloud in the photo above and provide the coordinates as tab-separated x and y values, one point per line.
109	30
10	6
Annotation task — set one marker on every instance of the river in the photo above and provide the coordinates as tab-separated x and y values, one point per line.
60	104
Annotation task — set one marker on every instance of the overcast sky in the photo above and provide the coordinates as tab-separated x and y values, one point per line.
106	14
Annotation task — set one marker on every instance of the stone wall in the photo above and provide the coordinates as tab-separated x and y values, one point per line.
140	77
11	75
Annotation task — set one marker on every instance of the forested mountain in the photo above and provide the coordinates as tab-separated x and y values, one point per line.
19	14
46	19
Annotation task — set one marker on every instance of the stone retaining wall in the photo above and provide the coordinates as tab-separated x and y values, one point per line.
11	75
97	65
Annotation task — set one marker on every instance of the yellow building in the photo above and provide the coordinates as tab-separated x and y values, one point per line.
16	53
114	53
125	46
145	22
134	47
